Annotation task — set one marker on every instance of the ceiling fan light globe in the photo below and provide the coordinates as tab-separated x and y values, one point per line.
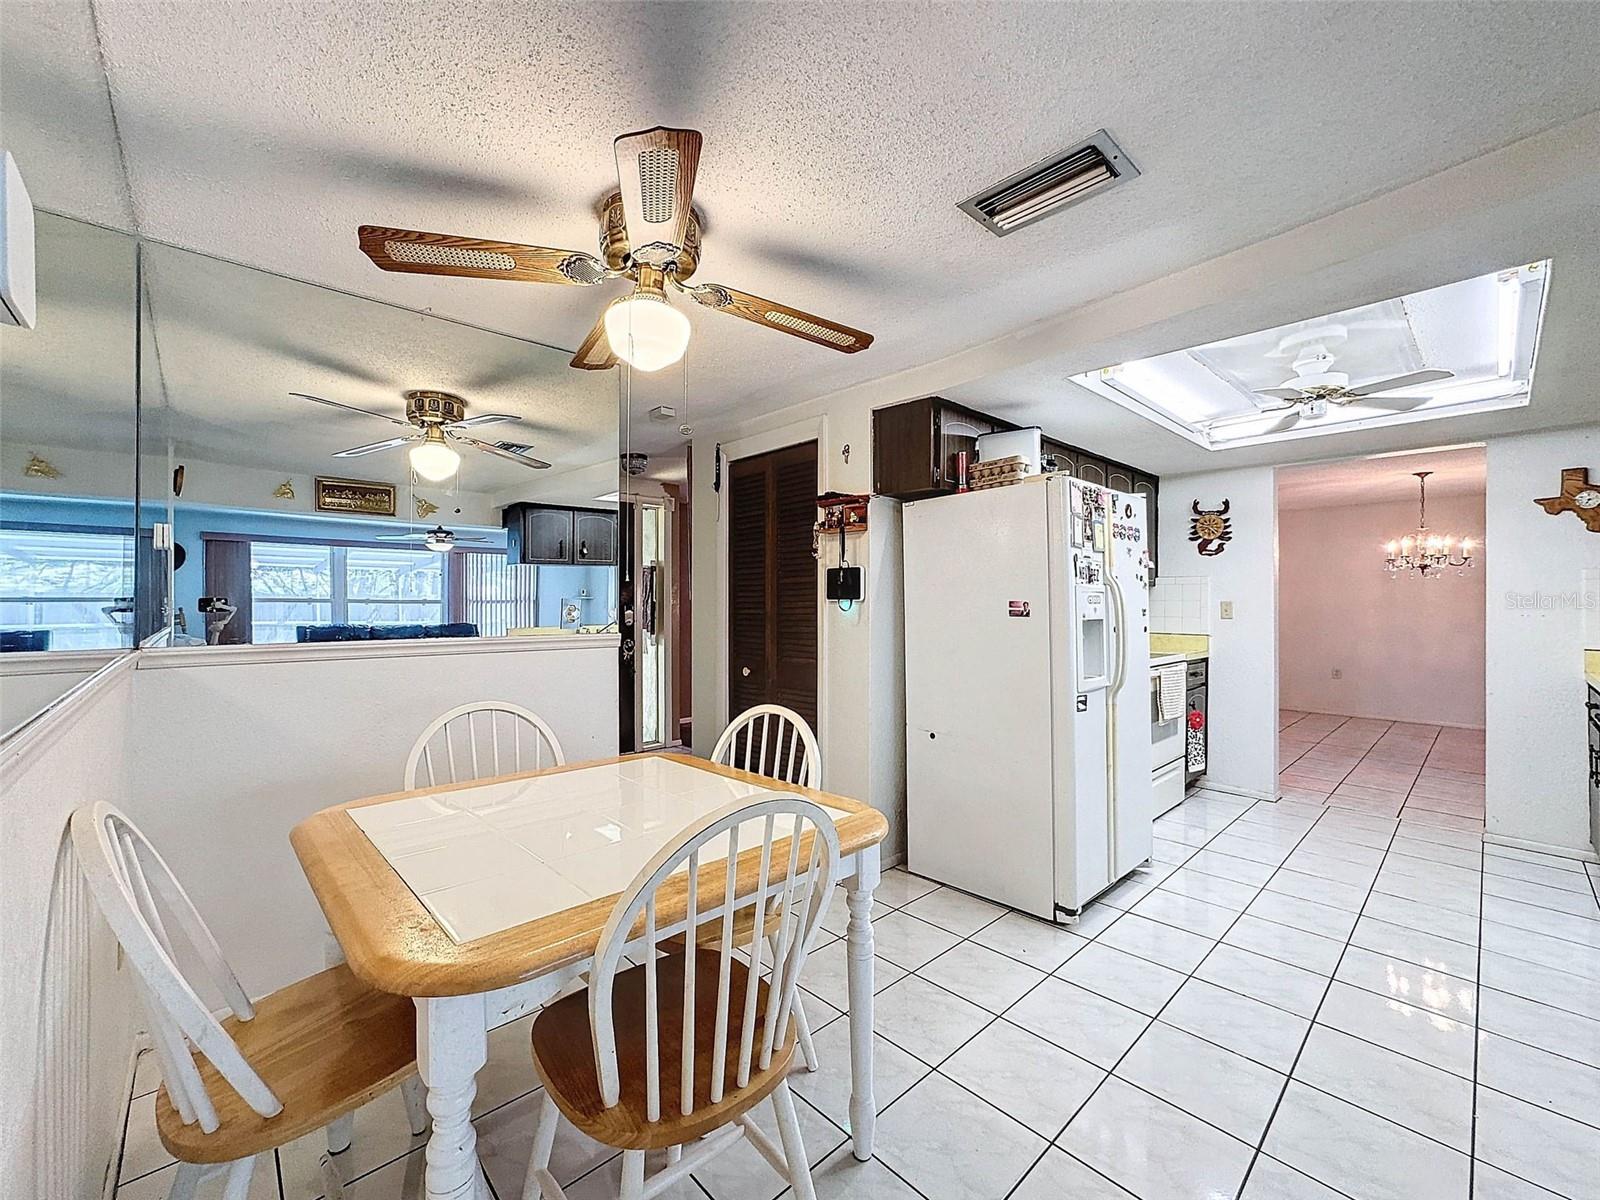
434	461
646	332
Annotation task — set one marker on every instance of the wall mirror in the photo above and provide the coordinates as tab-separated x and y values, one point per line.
320	467
68	420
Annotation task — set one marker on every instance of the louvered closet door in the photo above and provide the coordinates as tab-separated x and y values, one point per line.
772	581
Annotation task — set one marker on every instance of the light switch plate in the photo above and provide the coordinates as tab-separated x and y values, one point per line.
1227	610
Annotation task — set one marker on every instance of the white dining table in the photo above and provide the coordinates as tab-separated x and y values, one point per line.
483	901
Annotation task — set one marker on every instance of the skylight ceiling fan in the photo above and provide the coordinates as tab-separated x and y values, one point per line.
649	233
1315	386
437	419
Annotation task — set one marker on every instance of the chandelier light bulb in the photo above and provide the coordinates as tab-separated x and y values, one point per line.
646	332
433	459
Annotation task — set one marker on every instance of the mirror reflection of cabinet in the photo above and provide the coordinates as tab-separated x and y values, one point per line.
594	536
553	535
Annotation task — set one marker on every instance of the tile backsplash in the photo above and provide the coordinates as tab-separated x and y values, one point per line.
1181	604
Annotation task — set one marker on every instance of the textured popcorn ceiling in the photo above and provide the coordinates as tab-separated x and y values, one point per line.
838	140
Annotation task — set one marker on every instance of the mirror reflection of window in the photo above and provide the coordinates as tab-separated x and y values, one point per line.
64	589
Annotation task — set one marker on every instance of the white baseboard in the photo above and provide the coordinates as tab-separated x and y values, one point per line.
1579	855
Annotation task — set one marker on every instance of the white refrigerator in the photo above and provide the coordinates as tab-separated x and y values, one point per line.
1027	692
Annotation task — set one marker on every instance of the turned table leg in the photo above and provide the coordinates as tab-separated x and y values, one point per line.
858	896
452	1044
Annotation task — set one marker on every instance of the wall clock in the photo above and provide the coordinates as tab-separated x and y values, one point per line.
1577	495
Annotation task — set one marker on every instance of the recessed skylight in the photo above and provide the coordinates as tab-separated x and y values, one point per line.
1462	348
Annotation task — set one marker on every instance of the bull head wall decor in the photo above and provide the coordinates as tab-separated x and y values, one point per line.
1210	529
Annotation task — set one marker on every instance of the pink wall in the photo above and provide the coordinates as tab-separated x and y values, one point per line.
1408	649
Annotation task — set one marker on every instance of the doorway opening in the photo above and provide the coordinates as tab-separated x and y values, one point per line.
654	693
1381	618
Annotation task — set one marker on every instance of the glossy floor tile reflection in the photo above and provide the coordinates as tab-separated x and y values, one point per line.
1295	1000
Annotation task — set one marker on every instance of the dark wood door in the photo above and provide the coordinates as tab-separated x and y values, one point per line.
772	581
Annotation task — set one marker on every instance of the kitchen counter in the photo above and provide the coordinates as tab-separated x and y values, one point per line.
1189	646
1163	660
1591	667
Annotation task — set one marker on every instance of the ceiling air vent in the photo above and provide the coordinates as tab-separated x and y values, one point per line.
1087	169
521	448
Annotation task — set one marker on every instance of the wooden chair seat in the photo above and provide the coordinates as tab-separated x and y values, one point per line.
325	1046
564	1056
744	927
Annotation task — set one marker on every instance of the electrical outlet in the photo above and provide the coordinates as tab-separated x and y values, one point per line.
1338	673
1227	610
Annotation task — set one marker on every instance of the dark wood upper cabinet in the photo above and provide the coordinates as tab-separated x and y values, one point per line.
914	447
594	536
550	535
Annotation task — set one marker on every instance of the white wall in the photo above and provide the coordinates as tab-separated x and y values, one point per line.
1536	744
63	1065
861	679
1406	649
1242	688
232	746
29	681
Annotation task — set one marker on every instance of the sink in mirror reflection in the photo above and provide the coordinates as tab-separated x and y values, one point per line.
280	535
67	446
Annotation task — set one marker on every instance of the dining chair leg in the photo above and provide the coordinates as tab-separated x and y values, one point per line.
186	1179
802	1027
544	1140
416	1098
794	1149
632	1175
341	1132
237	1184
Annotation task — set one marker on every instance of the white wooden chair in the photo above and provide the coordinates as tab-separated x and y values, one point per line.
775	741
301	1059
480	741
771	740
725	1033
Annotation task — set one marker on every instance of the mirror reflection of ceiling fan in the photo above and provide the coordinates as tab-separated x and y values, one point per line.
437	419
649	233
438	539
1315	386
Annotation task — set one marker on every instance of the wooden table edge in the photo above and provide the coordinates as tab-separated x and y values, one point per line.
408	953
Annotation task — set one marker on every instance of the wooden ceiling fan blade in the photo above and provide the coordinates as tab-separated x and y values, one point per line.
782	318
538	464
365	412
1415	379
412	250
1247	415
374	447
1381	406
595	353
484	419
655	172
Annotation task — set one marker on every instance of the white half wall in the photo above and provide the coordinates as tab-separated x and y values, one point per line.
1406	649
66	1012
1242	684
1536	745
233	746
32	680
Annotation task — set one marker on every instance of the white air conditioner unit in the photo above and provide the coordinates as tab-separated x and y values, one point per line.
18	304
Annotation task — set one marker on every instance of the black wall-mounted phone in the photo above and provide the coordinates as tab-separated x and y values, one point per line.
843	583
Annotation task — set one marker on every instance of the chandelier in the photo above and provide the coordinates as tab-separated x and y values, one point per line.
1424	552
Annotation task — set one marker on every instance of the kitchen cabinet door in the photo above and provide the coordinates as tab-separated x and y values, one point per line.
540	535
1147	486
1119	478
594	536
1092	469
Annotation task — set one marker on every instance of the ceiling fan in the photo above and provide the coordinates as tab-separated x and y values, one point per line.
649	234
438	539
437	419
1315	386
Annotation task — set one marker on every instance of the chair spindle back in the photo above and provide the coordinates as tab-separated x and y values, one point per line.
771	740
480	741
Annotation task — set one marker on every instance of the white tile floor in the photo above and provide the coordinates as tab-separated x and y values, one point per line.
1296	1001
